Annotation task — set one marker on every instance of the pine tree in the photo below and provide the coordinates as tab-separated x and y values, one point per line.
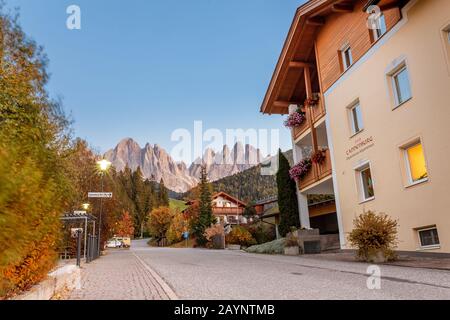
205	218
163	195
287	197
139	200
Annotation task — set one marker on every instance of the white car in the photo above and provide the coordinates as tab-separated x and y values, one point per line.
114	244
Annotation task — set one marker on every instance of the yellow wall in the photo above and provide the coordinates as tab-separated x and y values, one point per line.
427	116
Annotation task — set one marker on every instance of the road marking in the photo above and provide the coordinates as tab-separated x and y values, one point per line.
166	288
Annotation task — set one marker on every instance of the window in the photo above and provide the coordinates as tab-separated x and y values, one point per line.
400	84
416	165
380	29
428	237
346	57
365	182
356	121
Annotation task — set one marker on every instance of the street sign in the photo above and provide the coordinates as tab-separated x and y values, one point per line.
186	235
79	212
100	195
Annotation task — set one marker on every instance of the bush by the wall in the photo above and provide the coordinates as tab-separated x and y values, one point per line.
239	235
374	234
273	247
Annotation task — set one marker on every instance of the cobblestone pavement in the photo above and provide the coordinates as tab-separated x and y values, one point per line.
151	273
120	275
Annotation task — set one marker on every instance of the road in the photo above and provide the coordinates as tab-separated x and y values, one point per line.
164	273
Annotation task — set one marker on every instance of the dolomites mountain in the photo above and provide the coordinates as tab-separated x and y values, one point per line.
157	164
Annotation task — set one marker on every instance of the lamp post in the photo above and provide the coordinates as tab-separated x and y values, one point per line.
103	166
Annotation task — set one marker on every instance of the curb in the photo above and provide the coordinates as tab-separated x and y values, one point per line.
165	287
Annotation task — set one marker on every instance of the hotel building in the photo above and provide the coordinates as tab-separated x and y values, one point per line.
372	79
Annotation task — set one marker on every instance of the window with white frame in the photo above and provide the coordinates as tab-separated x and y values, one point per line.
415	163
365	183
355	117
401	86
428	237
346	57
380	27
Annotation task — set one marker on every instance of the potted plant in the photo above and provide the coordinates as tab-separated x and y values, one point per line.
291	246
319	156
312	101
300	170
375	237
295	119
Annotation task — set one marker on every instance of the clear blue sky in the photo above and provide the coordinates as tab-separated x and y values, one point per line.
142	68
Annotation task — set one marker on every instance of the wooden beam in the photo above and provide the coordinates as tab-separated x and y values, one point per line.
300	64
391	5
316	21
342	8
284	104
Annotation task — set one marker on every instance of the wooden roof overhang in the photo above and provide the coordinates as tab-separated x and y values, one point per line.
287	85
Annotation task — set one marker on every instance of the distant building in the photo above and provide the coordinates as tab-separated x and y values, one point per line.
226	208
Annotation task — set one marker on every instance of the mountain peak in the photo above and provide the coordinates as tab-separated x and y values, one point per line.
156	162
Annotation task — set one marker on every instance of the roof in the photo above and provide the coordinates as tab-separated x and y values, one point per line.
229	197
218	194
266	200
287	85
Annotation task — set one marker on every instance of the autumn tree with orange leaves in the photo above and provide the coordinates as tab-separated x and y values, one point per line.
125	226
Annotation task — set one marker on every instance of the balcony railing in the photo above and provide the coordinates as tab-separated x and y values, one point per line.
317	172
317	111
227	211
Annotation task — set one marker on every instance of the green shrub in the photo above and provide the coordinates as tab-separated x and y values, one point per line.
273	247
262	232
239	235
374	233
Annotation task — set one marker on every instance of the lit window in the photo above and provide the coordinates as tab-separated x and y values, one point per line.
364	176
428	237
380	29
400	82
417	168
347	59
356	118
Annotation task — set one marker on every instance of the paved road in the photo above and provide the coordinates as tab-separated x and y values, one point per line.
208	274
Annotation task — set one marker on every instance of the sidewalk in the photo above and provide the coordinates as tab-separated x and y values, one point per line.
404	260
119	275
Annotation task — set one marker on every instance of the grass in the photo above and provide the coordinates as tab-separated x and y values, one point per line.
177	204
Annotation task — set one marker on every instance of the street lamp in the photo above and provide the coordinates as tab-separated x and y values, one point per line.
103	165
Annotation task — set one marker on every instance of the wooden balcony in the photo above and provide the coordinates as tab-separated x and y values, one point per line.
317	112
227	211
298	131
317	172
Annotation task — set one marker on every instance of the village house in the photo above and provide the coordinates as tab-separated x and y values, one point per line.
227	209
371	80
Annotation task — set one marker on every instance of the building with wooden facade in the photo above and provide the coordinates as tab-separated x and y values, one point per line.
372	80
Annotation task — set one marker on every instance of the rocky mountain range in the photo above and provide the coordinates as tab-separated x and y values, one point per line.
156	163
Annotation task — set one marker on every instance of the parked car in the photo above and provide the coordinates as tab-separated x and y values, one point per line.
126	241
114	243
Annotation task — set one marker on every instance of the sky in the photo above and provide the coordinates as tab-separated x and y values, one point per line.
144	68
